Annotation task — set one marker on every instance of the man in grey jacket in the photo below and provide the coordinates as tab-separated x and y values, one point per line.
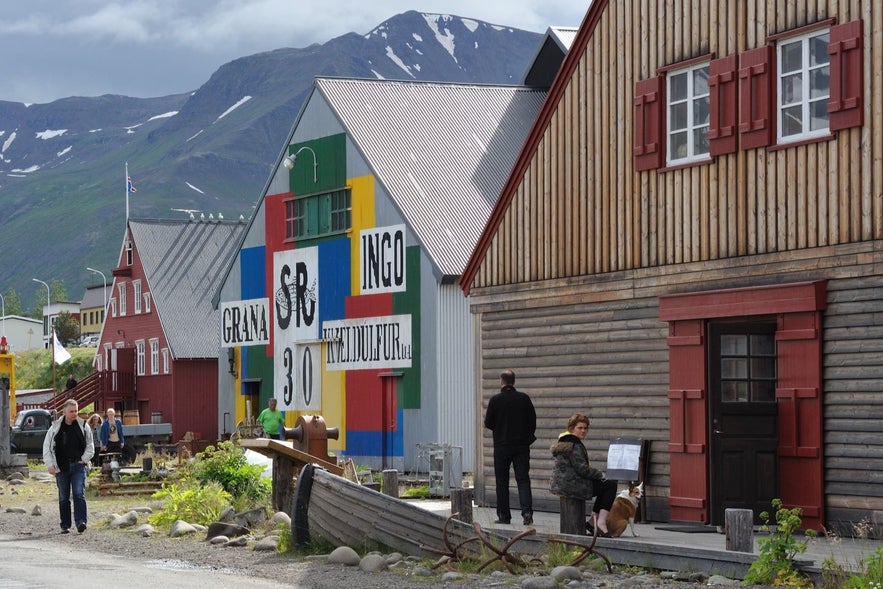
67	449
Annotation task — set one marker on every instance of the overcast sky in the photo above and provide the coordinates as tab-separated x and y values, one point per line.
148	48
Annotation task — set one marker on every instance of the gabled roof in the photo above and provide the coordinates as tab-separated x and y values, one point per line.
183	263
94	297
571	61
550	53
442	151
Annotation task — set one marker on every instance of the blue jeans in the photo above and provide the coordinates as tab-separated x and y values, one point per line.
74	480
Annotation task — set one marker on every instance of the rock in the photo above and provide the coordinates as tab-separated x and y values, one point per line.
267	544
721	580
16	510
37	510
240	541
180	528
394	557
450	577
144	530
16	482
218	540
142	510
126	520
566	573
251	518
539	583
422	571
372	563
280	517
227	515
16	476
344	555
221	528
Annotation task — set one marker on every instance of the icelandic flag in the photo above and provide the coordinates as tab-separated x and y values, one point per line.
130	188
61	355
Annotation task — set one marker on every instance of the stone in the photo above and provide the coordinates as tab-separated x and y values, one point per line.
267	544
228	529
344	555
236	542
539	583
394	557
144	530
127	520
37	510
218	540
280	517
566	573
16	510
721	580
450	577
227	515
373	563
180	528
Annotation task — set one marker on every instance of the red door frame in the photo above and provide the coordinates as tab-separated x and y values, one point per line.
798	310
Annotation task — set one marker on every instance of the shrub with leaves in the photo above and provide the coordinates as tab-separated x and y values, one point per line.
775	564
226	465
190	501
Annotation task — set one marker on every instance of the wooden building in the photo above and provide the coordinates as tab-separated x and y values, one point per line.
689	250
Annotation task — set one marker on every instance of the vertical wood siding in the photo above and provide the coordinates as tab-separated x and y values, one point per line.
582	209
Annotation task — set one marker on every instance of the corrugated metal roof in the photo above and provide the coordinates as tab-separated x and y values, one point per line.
184	263
442	151
564	36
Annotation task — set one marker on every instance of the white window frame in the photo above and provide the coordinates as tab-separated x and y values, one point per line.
113	307
805	99
165	360
136	298
147	302
139	357
691	127
154	355
121	288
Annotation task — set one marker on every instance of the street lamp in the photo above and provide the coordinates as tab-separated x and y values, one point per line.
103	290
289	160
3	312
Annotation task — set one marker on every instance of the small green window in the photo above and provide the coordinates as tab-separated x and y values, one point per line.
318	215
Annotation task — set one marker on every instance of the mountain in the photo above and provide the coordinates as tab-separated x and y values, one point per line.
62	164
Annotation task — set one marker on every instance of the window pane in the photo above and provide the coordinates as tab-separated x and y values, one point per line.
791	123
677	147
734	345
818	112
700	141
763	391
763	345
678	116
819	83
792	89
733	391
792	57
763	368
700	81
700	111
818	50
734	367
677	89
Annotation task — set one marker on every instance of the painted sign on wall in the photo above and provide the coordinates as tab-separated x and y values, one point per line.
382	259
245	323
296	306
368	343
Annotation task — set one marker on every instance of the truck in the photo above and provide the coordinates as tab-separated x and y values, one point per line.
30	426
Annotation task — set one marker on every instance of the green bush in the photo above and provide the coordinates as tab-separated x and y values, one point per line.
226	465
775	564
190	501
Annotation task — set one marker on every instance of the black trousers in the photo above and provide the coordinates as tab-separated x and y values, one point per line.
605	493
518	457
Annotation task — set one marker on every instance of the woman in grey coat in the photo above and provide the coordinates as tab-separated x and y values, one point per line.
573	476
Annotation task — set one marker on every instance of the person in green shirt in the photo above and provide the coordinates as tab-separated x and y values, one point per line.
272	420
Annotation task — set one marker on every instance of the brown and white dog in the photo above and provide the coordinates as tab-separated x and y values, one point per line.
622	513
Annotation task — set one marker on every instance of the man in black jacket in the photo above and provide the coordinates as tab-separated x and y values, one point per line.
513	420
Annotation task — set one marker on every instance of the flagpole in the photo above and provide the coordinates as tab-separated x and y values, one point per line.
54	390
126	184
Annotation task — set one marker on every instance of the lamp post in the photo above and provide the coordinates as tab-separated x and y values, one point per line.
103	291
3	312
48	326
289	161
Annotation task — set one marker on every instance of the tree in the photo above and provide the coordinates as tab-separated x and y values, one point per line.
67	329
12	302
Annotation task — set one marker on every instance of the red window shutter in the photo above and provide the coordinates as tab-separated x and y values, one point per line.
845	106
755	96
649	128
722	101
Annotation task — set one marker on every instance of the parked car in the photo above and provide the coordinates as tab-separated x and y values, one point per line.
89	341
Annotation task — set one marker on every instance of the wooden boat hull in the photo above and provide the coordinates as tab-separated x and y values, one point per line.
347	514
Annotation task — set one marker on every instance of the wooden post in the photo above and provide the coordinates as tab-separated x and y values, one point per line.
573	516
391	483
461	502
283	477
739	529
